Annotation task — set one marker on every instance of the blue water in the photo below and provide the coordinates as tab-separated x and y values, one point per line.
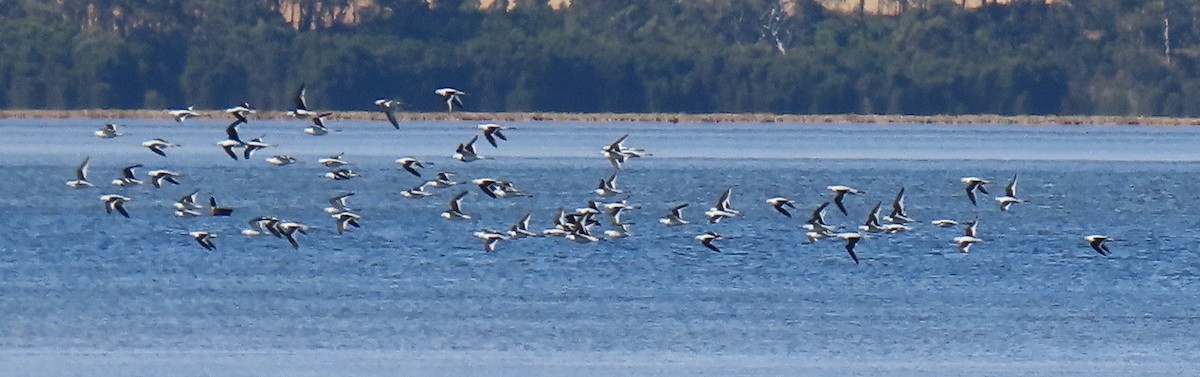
410	288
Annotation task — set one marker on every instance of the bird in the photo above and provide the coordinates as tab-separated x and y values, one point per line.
965	242
408	164
181	115
188	201
972	228
289	228
619	231
240	112
817	223
674	216
108	131
81	173
281	160
815	236
253	145
899	213
840	195
851	240
490	238
608	187
333	162
157	177
318	128
216	210
466	152
341	174
944	223
871	225
707	239
455	212
723	209
114	202
128	178
157	145
442	180
345	220
521	228
1098	243
417	192
452	96
390	108
491	131
301	106
781	203
973	184
338	204
232	140
1010	195
263	224
205	239
617	153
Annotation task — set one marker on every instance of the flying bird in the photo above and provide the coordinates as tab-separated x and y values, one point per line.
608	187
1010	195
490	238
965	242
674	216
254	145
345	220
723	209
240	112
390	108
408	164
107	131
781	204
157	177
840	195
491	131
455	212
466	151
114	202
81	173
301	106
973	184
452	96
707	239
181	115
1098	243
205	239
851	240
128	177
318	128
232	140
899	212
281	160
157	146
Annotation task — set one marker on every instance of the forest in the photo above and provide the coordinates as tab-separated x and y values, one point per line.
1114	57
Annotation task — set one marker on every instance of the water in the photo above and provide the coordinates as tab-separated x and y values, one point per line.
85	291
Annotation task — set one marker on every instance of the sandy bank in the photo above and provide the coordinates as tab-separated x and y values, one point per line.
650	117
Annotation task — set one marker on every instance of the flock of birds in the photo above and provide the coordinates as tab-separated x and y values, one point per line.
579	225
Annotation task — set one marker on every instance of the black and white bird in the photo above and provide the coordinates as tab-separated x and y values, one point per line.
417	192
289	229
345	220
232	139
617	153
964	243
455	212
338	203
899	213
973	184
254	145
410	164
333	162
851	241
722	209
781	205
1010	195
608	187
301	105
81	173
707	239
498	188
521	228
839	195
128	177
466	151
205	239
872	225
114	202
318	127
157	177
341	174
490	238
108	131
281	160
240	112
452	97
181	115
492	131
674	216
1098	243
442	180
390	108
157	145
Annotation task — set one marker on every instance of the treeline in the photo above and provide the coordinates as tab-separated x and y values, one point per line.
1087	57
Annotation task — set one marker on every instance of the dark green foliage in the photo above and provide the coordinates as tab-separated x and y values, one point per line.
1089	57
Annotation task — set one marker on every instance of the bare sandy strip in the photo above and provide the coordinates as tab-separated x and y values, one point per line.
645	118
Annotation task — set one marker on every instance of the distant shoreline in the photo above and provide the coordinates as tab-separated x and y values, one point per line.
643	117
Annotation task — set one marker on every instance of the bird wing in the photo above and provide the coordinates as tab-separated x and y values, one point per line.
82	171
127	172
489	134
1011	189
299	100
229	151
850	242
391	116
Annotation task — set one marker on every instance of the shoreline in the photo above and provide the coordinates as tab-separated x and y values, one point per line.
644	117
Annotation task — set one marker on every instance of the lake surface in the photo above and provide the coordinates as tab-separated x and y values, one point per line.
83	291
